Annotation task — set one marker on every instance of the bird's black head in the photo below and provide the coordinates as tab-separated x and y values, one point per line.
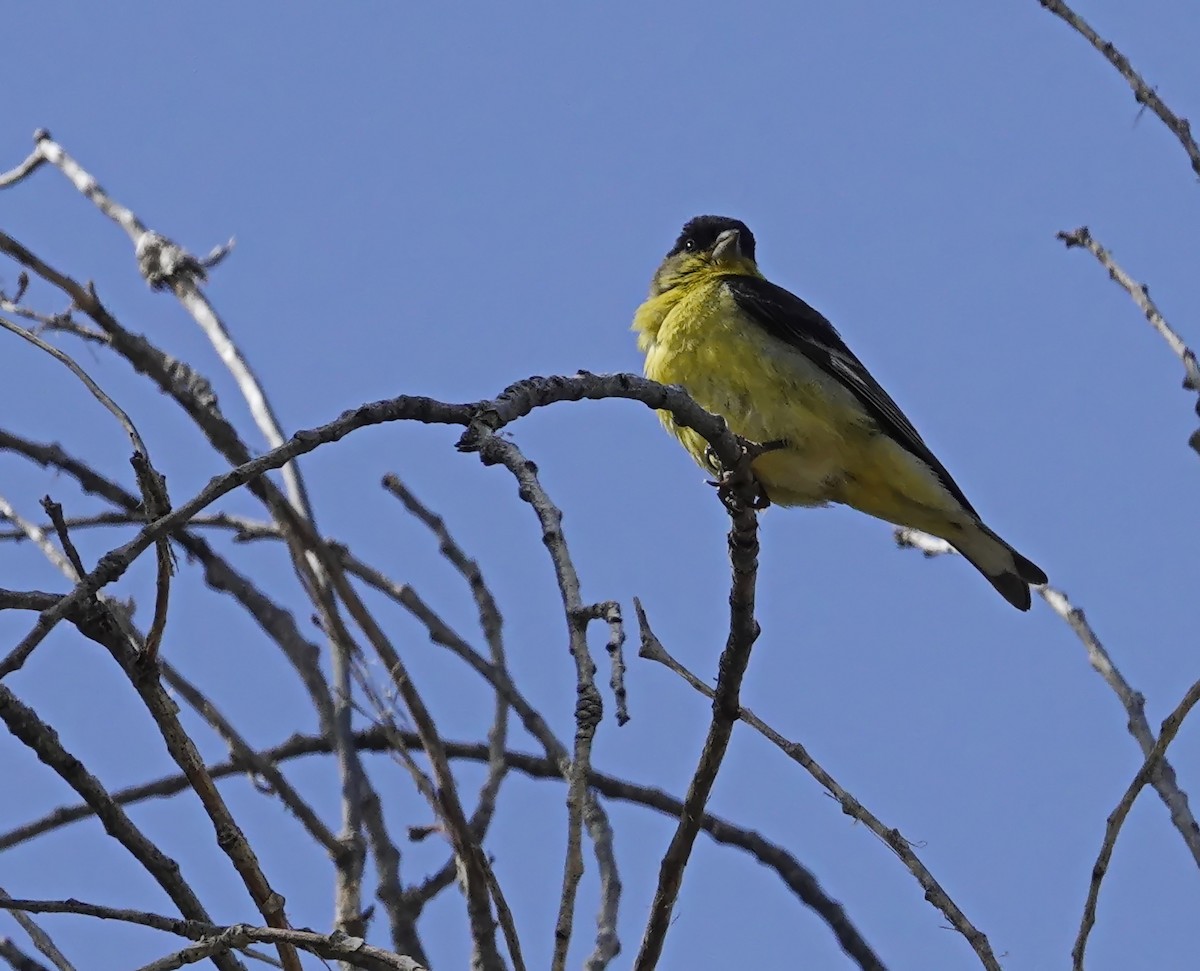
700	234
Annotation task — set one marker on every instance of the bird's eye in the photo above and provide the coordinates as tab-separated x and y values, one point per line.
689	244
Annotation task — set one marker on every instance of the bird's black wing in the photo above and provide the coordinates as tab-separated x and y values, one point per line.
791	320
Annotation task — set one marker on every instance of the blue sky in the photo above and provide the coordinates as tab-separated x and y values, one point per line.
442	201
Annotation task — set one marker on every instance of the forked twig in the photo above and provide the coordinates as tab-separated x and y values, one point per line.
1170	728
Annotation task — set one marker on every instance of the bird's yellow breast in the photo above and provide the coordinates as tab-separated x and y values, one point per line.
696	336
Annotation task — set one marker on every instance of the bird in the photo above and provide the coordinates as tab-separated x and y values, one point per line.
781	376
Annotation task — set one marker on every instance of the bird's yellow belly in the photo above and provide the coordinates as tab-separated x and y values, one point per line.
767	393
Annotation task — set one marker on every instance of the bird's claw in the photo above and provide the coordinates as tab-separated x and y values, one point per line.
739	488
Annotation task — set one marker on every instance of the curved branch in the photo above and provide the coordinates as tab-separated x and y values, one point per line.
1142	92
481	418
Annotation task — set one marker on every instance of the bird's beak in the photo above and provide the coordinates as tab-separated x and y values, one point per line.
728	247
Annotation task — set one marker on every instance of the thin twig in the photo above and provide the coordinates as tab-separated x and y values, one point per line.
97	392
336	946
30	165
474	863
588	704
653	649
608	944
18	960
55	512
165	264
1142	92
1141	296
151	482
24	724
595	819
610	613
1167	732
402	918
37	536
229	836
41	940
245	529
351	858
491	624
262	768
1163	777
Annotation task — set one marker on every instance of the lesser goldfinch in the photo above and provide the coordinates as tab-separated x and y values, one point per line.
780	375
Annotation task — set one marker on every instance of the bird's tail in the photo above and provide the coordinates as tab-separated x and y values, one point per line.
1006	569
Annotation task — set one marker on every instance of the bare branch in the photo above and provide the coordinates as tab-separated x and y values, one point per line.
348	905
229	836
274	621
153	485
24	724
223	942
41	940
1163	776
55	512
491	624
336	946
1167	732
1142	92
260	767
1141	296
18	960
474	863
610	613
31	164
165	264
110	626
743	632
588	704
594	818
402	918
37	536
794	875
516	401
97	392
608	944
115	563
653	649
278	624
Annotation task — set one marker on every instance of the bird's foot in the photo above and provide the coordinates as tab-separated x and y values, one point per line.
739	488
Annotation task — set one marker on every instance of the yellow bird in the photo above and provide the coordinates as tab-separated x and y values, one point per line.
780	375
